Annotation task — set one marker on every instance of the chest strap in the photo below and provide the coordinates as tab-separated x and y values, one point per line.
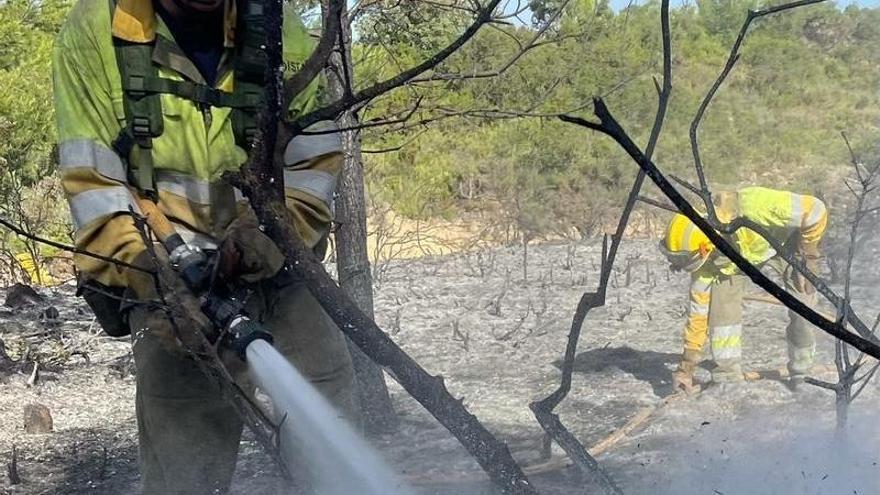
142	87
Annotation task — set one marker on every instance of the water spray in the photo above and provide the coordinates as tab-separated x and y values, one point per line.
339	461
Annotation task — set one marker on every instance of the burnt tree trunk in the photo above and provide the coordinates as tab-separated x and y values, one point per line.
352	262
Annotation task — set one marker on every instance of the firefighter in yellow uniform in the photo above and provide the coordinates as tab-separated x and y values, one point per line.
159	98
716	289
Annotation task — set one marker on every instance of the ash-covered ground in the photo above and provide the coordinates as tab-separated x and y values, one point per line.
497	339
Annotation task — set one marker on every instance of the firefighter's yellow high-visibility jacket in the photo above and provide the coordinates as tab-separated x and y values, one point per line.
196	147
789	217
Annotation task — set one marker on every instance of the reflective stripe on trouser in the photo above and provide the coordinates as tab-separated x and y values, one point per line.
799	333
725	327
188	435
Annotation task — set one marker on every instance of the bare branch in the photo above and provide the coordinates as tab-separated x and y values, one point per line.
821	384
334	109
658	204
610	127
68	248
734	56
543	409
523	49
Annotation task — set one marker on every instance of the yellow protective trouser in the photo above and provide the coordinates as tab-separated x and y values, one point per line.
188	435
725	326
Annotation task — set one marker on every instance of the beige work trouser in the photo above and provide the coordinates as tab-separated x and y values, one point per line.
188	435
725	326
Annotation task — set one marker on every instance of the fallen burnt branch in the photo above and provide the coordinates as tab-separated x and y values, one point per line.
543	409
609	126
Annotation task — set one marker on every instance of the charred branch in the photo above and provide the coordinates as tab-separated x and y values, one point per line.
609	126
543	409
492	454
334	109
704	192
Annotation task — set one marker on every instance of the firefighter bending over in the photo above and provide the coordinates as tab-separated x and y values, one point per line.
716	289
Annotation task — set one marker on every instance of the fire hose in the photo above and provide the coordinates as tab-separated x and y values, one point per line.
237	330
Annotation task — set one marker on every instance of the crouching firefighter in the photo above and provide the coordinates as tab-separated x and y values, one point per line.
716	289
155	100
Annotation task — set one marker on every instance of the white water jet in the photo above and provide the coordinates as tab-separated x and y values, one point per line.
314	434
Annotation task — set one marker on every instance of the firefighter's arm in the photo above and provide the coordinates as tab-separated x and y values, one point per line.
811	217
312	161
696	330
92	174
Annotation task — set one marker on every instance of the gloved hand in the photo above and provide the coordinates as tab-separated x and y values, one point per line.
181	323
246	253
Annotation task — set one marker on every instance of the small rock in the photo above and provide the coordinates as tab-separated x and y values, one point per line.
50	314
20	295
37	419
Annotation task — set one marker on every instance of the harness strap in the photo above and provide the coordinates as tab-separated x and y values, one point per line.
250	65
143	115
195	92
142	87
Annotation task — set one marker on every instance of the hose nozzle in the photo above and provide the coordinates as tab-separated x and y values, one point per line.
238	330
241	332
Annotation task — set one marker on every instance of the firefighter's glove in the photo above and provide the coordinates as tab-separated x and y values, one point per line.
247	254
169	311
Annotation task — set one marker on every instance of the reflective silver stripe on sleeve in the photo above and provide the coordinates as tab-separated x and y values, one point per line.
308	146
86	153
315	182
797	211
816	214
194	190
91	205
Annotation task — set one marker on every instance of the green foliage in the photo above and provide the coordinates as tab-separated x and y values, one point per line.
804	76
27	126
27	129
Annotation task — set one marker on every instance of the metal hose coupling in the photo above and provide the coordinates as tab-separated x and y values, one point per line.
241	332
238	331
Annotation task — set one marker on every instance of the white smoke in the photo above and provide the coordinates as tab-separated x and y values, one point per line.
775	456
